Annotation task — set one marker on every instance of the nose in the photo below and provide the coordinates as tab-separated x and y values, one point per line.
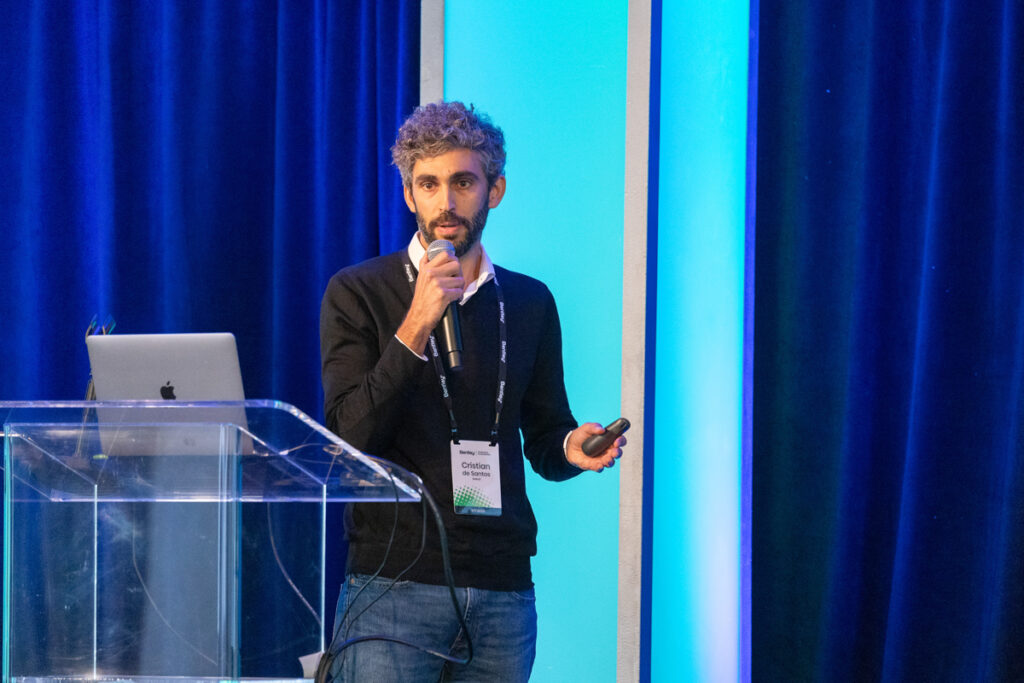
447	198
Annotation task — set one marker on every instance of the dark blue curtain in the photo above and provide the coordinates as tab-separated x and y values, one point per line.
889	329
195	166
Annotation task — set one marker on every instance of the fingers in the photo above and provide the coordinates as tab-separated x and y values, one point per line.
441	275
438	284
612	453
583	432
602	460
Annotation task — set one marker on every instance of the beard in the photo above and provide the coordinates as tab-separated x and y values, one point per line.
474	228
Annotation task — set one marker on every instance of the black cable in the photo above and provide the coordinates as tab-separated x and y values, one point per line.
331	654
446	560
398	577
323	667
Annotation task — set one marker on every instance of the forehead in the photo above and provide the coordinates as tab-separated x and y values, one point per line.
454	161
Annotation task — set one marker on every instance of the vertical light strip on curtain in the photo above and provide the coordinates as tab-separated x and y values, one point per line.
638	318
696	573
431	51
747	459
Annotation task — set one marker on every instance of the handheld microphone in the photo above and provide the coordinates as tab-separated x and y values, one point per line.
451	333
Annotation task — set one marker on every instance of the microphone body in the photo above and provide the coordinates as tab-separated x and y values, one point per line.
450	332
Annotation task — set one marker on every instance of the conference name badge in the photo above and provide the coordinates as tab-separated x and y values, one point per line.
476	478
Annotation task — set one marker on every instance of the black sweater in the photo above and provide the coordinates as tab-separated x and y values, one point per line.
384	400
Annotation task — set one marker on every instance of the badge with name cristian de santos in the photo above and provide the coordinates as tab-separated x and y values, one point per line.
476	478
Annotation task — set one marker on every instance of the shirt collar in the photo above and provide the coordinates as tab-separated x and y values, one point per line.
416	252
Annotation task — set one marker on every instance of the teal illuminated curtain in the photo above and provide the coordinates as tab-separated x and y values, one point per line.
888	493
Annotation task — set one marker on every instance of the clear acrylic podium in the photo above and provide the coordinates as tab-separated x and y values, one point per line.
152	541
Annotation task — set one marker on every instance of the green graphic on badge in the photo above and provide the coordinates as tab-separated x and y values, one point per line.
467	497
476	478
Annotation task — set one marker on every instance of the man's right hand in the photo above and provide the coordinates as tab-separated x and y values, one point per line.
439	283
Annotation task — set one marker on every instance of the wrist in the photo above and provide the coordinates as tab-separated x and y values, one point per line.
565	450
414	336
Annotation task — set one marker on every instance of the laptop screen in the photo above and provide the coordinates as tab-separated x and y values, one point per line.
184	367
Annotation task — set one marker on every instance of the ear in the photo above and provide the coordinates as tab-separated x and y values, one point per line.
496	193
409	201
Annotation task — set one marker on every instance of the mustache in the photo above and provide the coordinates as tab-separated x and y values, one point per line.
449	217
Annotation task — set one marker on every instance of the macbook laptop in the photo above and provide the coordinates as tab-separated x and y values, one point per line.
183	367
165	369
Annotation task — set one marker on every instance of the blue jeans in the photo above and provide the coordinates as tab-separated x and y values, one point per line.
502	626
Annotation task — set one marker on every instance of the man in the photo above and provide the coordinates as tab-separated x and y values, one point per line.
389	394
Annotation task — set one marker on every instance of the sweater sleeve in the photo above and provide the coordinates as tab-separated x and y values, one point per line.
546	418
366	375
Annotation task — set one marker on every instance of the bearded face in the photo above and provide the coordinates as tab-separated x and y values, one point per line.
451	196
464	239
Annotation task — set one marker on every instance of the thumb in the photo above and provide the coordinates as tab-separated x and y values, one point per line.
585	430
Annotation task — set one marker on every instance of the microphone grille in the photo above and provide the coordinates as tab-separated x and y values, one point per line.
438	246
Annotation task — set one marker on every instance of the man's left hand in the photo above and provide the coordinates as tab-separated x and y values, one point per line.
606	458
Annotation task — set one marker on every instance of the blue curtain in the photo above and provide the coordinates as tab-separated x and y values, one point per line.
195	166
889	331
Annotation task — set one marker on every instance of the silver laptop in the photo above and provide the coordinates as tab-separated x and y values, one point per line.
165	368
183	367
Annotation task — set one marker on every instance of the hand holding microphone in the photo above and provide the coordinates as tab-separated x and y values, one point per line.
450	338
438	285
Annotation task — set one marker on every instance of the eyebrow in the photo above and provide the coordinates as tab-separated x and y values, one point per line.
455	177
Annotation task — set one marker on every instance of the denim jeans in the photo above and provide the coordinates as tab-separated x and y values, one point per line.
502	626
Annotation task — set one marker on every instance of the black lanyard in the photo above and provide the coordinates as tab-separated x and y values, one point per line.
499	400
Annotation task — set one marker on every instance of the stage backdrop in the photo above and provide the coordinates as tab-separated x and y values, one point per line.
190	167
889	363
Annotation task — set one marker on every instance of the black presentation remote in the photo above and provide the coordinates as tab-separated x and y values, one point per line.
598	442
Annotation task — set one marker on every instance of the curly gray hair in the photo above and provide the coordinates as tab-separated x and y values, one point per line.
439	127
